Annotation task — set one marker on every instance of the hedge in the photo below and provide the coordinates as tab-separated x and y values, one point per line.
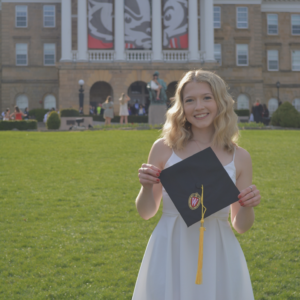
38	114
69	113
242	112
20	125
53	121
116	119
286	115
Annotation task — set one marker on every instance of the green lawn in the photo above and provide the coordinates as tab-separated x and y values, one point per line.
70	230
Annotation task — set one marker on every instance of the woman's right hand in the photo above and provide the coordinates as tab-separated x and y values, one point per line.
148	175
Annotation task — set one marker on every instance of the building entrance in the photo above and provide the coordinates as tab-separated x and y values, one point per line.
138	93
99	92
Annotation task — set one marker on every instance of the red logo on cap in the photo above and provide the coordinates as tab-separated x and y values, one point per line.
194	201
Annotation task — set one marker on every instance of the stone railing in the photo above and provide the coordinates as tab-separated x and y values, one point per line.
101	55
176	55
138	55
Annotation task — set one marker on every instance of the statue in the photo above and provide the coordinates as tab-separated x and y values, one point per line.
157	90
158	99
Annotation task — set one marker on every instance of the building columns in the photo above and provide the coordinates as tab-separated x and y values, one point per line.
156	31
119	31
82	41
207	25
193	31
66	31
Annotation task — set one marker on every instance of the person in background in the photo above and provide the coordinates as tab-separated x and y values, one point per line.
3	115
265	115
136	107
80	111
91	110
258	111
17	114
251	119
99	109
7	115
26	114
108	110
141	110
124	108
129	110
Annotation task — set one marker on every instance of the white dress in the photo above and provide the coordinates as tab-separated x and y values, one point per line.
123	109
168	270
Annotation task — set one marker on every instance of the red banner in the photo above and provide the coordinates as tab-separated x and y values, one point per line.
100	25
175	24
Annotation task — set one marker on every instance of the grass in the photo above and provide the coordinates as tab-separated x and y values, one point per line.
70	230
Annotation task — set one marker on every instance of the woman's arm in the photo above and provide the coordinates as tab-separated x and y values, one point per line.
242	212
149	197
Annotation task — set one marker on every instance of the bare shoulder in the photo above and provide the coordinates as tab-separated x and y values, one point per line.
159	154
242	160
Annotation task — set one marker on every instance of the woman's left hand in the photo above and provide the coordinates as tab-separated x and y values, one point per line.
249	197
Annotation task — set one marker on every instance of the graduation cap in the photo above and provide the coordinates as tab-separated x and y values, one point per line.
199	186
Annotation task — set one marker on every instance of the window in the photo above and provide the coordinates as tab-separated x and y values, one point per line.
242	102
272	23
296	60
218	53
242	17
21	16
272	105
242	55
272	60
295	24
296	104
22	102
21	55
50	102
49	54
49	15
217	17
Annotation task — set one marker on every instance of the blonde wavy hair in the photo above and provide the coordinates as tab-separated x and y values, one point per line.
122	98
177	130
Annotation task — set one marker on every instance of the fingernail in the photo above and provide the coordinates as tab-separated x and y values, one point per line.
157	174
157	180
239	196
242	204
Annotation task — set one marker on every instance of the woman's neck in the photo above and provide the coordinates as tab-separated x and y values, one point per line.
203	136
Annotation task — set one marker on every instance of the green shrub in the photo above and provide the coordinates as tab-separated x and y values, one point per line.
53	121
286	116
242	112
20	125
69	113
38	114
116	119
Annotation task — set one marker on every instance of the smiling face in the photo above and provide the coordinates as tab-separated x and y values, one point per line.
199	105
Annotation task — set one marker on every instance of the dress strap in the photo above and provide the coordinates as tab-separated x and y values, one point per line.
234	153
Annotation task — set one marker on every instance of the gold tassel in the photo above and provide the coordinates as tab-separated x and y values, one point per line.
200	254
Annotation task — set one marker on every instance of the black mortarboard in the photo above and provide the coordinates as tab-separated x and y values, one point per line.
199	186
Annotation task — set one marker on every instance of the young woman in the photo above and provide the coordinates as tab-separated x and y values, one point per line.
7	115
124	108
108	110
17	114
202	116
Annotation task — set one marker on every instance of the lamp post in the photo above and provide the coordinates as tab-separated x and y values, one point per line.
81	95
278	86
